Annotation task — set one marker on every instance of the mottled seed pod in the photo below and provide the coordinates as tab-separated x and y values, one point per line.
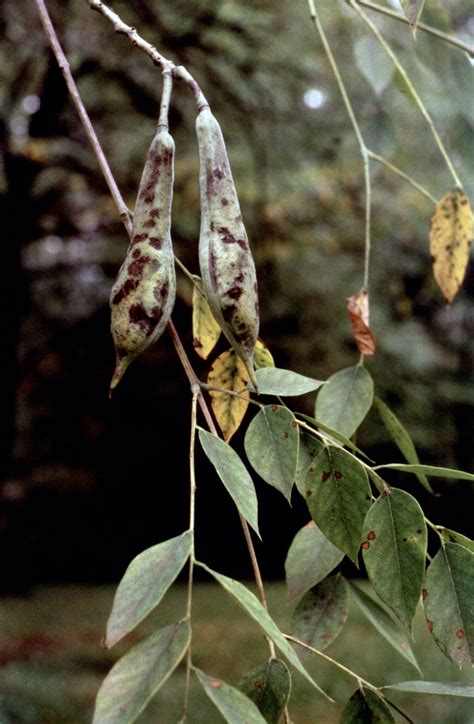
227	266
144	292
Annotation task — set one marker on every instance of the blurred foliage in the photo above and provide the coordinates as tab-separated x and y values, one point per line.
300	179
53	664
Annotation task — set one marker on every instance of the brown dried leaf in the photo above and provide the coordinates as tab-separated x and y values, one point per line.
229	372
450	241
358	308
206	331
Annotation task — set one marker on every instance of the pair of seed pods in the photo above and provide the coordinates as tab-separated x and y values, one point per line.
144	292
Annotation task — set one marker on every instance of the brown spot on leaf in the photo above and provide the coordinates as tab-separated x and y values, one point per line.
430	625
274	408
215	684
257	685
309	493
224	202
325	476
404	645
196	343
366	545
460	634
285	435
338	475
424	594
372	535
294	423
138	238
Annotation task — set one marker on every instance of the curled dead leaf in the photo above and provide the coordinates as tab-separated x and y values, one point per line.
358	308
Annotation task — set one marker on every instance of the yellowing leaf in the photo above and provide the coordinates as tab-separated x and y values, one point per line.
450	241
206	331
229	372
358	308
262	357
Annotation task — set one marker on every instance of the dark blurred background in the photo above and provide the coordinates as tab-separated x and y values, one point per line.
88	482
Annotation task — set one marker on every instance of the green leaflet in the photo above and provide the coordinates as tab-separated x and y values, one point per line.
144	584
448	600
394	550
321	614
271	444
138	675
255	610
374	63
451	536
428	470
439	688
338	498
345	399
308	448
366	707
284	383
234	706
311	557
268	686
233	474
401	438
391	630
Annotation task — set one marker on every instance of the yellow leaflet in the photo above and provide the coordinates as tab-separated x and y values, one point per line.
262	357
229	372
206	331
450	241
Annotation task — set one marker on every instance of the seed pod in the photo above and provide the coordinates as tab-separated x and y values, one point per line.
227	267
143	294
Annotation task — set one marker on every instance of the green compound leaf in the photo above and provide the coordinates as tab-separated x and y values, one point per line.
400	437
255	610
394	550
138	675
452	536
284	383
234	706
338	498
366	707
308	448
144	584
345	399
439	688
428	470
321	614
448	600
391	630
311	557
233	474
272	443
268	686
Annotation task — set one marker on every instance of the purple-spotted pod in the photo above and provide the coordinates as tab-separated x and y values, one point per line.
226	262
144	292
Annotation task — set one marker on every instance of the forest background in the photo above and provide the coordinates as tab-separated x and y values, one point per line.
89	482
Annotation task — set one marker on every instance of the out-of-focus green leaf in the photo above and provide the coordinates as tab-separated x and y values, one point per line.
268	686
311	557
321	614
